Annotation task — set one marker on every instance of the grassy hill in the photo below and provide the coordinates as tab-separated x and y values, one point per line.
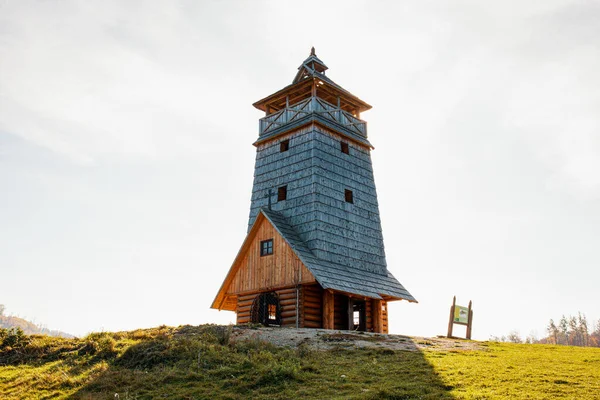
208	362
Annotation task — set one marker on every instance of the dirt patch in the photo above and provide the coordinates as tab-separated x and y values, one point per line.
322	339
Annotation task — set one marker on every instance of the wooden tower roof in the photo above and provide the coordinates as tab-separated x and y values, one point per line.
311	80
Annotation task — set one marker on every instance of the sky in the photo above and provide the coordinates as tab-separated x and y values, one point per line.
126	157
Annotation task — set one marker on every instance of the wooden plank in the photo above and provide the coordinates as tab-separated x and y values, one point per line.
328	309
247	297
288	291
288	313
311	317
311	304
312	324
288	302
377	316
288	321
253	273
313	309
244	309
290	296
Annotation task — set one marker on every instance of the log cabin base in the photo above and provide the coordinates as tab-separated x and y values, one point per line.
309	306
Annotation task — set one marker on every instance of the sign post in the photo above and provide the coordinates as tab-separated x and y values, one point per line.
461	316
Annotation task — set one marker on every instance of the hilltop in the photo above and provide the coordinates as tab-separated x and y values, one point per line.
240	362
28	327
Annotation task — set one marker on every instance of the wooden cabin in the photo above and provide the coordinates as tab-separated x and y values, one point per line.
314	255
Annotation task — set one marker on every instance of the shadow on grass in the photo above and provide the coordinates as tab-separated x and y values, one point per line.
203	363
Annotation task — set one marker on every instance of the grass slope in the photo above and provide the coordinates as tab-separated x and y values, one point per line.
201	363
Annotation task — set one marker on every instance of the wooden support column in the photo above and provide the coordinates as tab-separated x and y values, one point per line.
451	320
328	308
470	323
377	315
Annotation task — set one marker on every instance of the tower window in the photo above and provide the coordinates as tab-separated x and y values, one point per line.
344	147
266	247
282	193
348	196
284	145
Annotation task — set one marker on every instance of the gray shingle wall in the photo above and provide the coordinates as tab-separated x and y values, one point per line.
317	173
293	168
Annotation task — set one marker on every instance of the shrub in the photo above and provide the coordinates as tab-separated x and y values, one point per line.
13	338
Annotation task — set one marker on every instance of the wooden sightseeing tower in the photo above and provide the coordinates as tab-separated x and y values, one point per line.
313	256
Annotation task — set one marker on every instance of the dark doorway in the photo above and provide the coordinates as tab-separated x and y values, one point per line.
357	315
266	310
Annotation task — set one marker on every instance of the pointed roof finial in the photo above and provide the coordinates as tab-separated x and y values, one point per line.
312	51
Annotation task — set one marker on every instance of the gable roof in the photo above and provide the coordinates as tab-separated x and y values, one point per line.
329	275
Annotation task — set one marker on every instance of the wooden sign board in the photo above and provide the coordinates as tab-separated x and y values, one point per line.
461	316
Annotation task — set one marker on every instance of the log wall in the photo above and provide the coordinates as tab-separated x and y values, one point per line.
287	301
312	306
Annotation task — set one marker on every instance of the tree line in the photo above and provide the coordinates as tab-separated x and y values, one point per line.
569	331
573	331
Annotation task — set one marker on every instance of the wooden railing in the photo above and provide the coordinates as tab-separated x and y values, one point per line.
312	105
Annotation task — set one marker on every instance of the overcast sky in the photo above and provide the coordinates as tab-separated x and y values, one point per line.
126	157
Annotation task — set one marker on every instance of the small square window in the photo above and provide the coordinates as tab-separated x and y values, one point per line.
348	196
284	146
266	247
345	148
282	193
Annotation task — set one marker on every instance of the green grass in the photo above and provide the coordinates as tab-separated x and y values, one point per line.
201	363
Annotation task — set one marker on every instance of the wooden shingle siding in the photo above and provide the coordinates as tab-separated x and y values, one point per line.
329	143
293	168
316	174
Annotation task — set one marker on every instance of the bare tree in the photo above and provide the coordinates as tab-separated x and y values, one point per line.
583	329
564	331
573	332
514	337
531	338
552	331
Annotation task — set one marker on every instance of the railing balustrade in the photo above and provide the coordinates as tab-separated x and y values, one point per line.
312	105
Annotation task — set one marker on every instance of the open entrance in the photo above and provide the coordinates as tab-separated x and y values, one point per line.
357	315
266	309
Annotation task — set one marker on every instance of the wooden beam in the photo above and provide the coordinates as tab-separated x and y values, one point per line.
377	315
328	310
470	319
451	321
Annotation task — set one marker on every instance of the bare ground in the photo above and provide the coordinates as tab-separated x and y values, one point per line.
321	339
